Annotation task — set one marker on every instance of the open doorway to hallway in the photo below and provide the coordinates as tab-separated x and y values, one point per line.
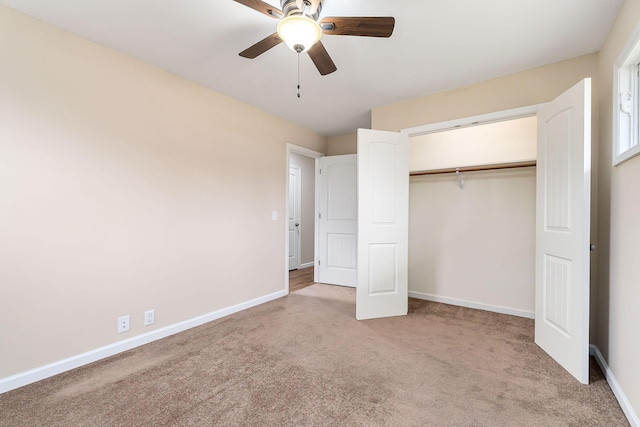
301	204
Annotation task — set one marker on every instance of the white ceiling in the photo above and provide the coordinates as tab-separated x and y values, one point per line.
437	45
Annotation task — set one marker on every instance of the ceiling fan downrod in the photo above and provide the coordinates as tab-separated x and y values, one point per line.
298	74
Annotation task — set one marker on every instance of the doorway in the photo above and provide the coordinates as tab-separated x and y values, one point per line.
300	212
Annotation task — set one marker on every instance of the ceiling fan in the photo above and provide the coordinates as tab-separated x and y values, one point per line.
300	29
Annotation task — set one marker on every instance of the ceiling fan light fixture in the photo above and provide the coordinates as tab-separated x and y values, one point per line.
299	32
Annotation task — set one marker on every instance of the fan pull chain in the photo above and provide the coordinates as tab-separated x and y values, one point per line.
298	75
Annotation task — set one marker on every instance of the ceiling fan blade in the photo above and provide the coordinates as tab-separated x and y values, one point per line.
374	26
261	47
321	58
262	7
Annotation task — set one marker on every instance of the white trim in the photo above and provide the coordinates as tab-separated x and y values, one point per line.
42	372
632	417
306	265
631	152
471	304
625	77
316	224
292	148
481	119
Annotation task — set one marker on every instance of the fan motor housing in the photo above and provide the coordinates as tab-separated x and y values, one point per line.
290	8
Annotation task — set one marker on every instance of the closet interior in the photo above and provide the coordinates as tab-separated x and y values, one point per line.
472	216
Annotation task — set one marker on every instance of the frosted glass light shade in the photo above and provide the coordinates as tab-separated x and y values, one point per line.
299	32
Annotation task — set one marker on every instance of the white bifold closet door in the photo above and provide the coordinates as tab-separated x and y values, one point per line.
563	229
383	224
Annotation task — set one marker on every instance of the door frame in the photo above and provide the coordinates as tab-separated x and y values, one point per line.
465	122
482	119
292	148
502	116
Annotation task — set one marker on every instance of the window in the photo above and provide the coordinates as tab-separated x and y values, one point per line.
626	101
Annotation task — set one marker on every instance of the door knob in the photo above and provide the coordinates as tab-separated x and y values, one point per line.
297	225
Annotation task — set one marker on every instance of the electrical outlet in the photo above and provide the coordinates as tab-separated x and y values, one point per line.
123	324
149	317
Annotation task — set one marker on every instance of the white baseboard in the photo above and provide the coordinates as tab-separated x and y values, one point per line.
40	373
471	304
631	415
307	264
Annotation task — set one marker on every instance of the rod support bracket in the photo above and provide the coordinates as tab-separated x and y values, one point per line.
460	176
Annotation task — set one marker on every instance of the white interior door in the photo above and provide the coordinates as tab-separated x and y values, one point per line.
383	224
337	216
294	217
563	229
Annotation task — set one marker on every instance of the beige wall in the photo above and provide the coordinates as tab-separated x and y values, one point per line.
517	90
307	204
508	141
125	188
342	144
618	296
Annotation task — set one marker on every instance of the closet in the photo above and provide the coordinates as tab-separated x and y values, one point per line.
472	210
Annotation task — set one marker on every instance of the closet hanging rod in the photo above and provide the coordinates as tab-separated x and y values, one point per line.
476	168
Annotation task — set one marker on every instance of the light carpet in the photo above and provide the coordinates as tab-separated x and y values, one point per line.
304	360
